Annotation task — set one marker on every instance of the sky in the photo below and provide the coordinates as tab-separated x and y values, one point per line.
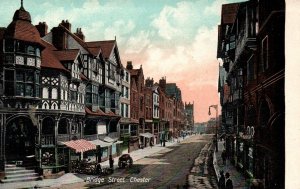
169	38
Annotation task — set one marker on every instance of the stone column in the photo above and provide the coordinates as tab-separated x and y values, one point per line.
39	141
55	140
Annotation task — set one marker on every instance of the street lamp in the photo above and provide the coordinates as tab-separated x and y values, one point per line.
216	108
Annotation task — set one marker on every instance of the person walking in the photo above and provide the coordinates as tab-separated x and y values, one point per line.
111	162
151	143
221	182
228	181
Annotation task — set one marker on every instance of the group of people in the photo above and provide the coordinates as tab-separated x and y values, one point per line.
225	182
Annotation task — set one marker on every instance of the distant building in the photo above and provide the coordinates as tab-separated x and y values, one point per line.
189	110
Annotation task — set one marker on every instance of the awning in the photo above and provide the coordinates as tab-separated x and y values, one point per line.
147	135
128	121
101	143
119	142
108	139
80	145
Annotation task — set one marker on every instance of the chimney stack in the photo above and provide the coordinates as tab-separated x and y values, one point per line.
163	84
129	65
149	82
66	24
80	34
42	27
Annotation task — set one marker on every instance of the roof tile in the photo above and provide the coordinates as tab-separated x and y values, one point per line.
49	60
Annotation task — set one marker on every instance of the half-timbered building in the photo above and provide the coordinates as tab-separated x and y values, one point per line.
59	96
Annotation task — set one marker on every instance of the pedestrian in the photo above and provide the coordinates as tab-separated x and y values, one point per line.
221	183
111	162
223	155
98	168
228	181
161	142
151	143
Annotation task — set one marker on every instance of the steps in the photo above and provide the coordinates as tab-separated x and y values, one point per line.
15	173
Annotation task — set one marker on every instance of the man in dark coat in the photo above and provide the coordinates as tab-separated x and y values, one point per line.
228	181
221	183
111	162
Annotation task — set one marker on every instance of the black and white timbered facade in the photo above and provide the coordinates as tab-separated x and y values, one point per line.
53	90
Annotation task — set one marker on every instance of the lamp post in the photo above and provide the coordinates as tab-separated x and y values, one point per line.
216	108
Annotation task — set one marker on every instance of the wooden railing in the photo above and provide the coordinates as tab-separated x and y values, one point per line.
47	140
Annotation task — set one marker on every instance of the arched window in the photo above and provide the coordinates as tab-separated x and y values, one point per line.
63	126
48	126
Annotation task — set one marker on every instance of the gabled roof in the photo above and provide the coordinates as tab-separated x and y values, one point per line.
134	72
67	55
80	41
229	12
133	85
49	60
107	47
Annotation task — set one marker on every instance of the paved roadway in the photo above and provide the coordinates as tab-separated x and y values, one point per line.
166	169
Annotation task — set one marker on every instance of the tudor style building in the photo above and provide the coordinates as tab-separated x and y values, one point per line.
59	96
251	44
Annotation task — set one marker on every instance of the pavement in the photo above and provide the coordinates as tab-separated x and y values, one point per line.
238	180
71	178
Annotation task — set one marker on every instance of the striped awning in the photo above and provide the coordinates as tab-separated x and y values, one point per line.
80	145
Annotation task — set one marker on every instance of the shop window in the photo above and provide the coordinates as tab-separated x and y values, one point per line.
113	149
104	152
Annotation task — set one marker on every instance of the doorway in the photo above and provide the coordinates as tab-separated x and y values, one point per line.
20	139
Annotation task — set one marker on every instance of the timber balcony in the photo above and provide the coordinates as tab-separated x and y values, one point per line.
245	41
49	140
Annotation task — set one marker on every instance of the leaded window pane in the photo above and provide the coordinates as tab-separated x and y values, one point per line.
29	90
20	89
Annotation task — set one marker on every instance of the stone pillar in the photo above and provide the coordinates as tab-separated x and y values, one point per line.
39	141
55	140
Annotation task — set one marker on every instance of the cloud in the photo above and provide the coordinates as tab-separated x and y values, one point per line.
120	29
215	7
138	42
177	22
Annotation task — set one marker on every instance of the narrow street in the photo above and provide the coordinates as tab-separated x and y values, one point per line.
166	169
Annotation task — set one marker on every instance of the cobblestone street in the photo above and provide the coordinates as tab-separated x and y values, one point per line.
169	168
